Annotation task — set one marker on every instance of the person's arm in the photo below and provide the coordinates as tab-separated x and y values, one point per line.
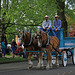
54	25
43	24
49	23
59	24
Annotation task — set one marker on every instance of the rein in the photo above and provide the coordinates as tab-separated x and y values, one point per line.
55	49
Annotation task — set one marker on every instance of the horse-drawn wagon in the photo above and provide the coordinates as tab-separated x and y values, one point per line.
67	44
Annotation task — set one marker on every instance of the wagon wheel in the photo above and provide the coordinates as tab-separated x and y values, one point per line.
73	56
64	58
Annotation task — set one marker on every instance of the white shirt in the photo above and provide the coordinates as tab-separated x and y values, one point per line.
46	24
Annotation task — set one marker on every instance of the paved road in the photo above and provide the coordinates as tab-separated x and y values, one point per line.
21	69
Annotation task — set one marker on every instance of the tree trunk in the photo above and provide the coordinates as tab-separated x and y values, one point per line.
3	15
0	24
5	7
0	30
61	13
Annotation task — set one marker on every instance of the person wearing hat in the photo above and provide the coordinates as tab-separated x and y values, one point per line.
46	25
56	26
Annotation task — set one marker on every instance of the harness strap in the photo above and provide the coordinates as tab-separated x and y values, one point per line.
48	40
30	40
55	49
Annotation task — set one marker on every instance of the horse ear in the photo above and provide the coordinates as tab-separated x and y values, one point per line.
23	31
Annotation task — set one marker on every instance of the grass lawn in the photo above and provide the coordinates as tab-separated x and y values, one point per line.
8	58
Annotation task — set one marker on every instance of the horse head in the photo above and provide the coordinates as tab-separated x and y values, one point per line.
42	38
25	38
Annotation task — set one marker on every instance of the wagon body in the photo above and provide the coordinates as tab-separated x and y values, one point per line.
67	44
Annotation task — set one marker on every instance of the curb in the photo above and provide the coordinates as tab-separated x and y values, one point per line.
16	61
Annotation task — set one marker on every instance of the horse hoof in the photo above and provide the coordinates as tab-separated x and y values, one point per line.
30	63
47	68
57	65
42	67
30	66
37	67
50	67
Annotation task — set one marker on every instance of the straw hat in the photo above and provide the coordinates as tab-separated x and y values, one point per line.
46	16
56	16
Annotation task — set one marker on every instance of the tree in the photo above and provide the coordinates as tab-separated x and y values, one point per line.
0	28
70	11
28	12
5	21
61	13
18	13
0	19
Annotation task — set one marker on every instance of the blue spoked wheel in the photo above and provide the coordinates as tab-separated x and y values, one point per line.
64	59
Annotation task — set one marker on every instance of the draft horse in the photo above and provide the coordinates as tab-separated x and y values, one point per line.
43	39
30	43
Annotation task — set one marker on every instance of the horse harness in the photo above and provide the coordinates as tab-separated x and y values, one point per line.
48	43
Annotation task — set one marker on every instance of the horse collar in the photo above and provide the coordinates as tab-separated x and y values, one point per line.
26	45
47	43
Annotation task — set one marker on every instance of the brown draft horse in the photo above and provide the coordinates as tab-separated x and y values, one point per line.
42	41
30	43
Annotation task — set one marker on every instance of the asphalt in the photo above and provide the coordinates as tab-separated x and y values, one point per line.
16	64
21	68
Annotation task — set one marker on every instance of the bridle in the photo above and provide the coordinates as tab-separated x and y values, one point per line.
40	37
23	39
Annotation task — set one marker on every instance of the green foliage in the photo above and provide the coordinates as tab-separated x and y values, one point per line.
30	12
69	11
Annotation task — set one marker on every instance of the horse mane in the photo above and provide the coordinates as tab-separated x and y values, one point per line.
27	37
44	37
35	43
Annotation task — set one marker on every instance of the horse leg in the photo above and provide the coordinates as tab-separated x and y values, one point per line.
48	56
38	65
41	60
27	54
30	64
50	60
57	63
